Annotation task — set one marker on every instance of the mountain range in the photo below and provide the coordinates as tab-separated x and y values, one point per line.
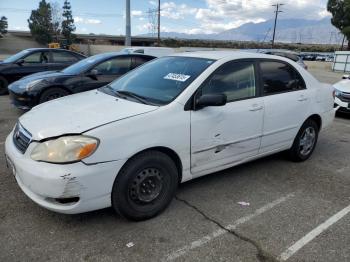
288	31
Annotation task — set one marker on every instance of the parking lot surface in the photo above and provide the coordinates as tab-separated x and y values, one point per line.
287	211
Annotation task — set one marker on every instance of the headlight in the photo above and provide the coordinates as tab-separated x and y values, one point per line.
337	93
66	149
30	85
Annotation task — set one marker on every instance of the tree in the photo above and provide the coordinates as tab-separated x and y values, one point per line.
56	17
68	22
3	25
40	23
340	10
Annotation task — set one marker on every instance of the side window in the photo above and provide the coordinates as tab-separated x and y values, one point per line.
279	78
234	79
115	66
37	58
63	57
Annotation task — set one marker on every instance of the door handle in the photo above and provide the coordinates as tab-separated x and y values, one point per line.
256	108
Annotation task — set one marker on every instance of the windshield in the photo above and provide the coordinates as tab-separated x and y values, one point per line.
162	80
81	66
15	57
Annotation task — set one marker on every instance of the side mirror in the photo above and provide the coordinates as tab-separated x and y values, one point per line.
211	100
92	73
20	61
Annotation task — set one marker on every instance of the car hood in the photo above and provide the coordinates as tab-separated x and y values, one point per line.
78	113
39	75
343	86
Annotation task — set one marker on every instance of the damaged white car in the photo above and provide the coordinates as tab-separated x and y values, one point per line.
129	144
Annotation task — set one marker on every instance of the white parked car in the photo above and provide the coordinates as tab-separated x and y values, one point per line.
342	95
129	144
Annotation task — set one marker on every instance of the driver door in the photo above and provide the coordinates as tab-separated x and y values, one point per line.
225	135
33	63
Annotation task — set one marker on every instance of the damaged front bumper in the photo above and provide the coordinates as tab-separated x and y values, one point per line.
69	188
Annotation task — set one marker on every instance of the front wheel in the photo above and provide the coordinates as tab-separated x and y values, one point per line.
52	93
3	86
145	186
305	141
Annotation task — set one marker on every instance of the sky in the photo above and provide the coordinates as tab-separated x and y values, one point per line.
183	16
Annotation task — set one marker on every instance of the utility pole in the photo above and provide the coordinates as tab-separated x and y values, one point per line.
127	24
276	16
158	22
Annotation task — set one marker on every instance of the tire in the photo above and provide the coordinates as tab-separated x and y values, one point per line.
305	142
3	86
52	93
145	186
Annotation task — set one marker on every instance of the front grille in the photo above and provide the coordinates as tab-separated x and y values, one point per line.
345	97
21	138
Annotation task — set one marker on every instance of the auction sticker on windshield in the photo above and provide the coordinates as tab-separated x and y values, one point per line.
177	77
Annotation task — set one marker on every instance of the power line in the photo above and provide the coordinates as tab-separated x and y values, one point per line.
276	16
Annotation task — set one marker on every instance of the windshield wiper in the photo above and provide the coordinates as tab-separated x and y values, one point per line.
139	98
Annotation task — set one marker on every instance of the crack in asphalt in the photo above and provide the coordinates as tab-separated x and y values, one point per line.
262	255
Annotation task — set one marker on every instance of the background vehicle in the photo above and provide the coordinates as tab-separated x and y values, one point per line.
154	51
288	54
342	95
321	58
88	74
34	60
174	119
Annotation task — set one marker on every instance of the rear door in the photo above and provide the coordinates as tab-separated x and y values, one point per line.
286	101
107	71
222	136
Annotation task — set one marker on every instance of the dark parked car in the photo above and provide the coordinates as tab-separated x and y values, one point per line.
90	73
34	60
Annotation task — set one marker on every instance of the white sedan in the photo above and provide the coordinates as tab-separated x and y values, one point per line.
129	144
342	95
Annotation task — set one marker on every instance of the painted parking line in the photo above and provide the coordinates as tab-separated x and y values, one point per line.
312	234
202	241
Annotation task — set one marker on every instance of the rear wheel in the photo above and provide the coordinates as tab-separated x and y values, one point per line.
305	141
52	94
145	186
3	86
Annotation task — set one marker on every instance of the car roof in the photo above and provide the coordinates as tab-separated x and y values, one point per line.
112	54
218	55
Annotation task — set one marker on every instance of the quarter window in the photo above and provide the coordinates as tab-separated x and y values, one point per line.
279	78
234	79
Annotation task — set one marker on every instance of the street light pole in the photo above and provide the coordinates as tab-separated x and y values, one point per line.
158	22
127	24
276	16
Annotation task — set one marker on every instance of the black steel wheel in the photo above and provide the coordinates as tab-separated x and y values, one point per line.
145	186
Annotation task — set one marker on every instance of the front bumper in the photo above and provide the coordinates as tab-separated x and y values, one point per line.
90	186
22	100
342	106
